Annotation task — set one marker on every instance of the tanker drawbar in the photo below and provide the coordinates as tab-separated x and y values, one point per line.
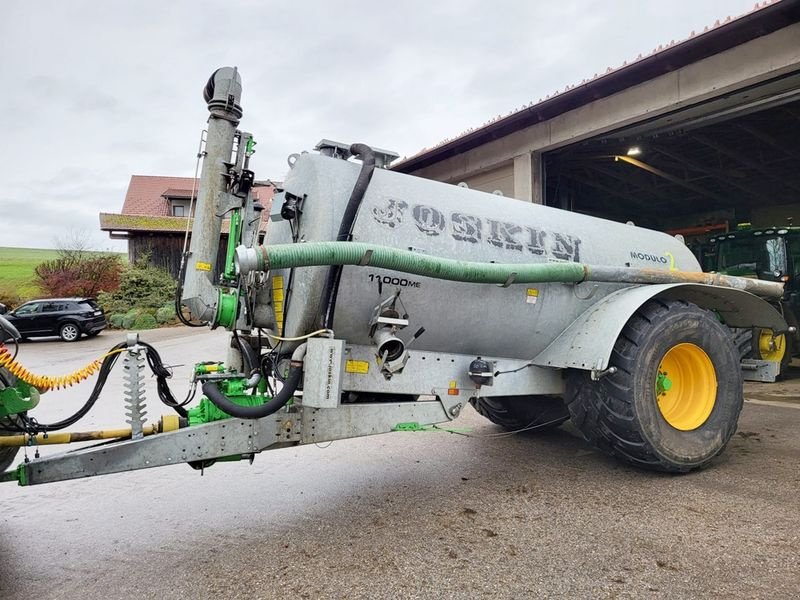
378	302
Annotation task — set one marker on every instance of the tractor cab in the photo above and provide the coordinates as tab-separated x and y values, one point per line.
771	254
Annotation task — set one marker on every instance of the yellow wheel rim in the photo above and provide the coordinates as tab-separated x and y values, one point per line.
772	348
686	386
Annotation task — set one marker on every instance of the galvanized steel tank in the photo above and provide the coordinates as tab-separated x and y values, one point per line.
438	219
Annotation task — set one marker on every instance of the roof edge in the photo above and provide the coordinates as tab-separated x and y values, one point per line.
752	25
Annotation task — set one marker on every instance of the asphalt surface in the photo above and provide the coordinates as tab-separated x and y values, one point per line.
406	515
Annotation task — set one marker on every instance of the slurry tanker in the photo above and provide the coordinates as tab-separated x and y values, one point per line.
381	302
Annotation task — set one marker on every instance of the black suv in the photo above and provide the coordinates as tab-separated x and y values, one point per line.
67	318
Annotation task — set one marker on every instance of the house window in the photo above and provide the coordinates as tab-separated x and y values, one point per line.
178	210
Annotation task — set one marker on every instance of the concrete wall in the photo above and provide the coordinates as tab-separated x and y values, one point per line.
749	64
497	179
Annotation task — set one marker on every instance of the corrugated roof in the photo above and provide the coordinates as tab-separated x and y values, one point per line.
764	18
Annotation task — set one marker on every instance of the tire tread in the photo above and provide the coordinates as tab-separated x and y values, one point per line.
604	414
519	412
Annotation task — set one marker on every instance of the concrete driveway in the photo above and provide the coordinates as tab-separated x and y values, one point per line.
406	515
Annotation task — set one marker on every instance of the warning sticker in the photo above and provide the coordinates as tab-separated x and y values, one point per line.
532	296
202	266
356	366
277	298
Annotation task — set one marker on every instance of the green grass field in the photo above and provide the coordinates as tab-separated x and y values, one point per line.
17	271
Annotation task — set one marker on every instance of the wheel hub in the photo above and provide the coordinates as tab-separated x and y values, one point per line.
686	386
771	347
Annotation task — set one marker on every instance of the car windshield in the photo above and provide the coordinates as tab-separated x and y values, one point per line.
89	304
27	309
752	256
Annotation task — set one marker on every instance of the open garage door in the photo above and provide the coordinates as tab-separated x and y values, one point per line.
698	171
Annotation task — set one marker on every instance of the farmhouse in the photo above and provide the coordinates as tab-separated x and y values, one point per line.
156	214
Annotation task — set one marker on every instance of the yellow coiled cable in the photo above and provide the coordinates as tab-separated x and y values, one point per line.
47	382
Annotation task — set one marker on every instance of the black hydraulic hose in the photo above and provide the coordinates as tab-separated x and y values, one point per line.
357	195
278	401
105	369
162	373
249	357
328	304
179	293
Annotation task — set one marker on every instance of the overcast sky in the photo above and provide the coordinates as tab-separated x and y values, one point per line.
95	91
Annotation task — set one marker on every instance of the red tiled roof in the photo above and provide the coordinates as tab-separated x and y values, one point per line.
176	193
146	207
147	194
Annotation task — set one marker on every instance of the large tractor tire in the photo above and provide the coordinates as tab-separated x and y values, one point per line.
7	455
522	412
674	401
743	340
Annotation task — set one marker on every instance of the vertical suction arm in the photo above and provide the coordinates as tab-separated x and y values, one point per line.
223	96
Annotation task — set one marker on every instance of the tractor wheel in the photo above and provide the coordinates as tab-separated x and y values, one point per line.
521	412
773	348
743	340
675	399
7	455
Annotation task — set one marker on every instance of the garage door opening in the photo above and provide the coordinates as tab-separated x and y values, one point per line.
699	171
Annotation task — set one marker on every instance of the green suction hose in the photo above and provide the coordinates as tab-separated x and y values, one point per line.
284	256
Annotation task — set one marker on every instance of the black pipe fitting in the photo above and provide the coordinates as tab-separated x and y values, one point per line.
278	401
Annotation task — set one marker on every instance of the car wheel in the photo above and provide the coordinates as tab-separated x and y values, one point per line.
69	332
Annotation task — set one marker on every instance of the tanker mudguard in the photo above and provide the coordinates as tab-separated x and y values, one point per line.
588	341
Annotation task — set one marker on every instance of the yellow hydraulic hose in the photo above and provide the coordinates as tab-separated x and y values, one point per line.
47	382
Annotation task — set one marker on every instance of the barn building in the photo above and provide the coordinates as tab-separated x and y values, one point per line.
695	137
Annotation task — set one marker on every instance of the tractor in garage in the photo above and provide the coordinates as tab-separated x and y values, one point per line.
383	302
770	254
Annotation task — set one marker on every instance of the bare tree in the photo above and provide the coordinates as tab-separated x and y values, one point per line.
78	271
74	244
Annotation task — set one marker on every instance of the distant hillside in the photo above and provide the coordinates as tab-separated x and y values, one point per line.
17	270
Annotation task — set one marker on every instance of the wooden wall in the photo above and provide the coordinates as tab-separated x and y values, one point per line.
165	250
